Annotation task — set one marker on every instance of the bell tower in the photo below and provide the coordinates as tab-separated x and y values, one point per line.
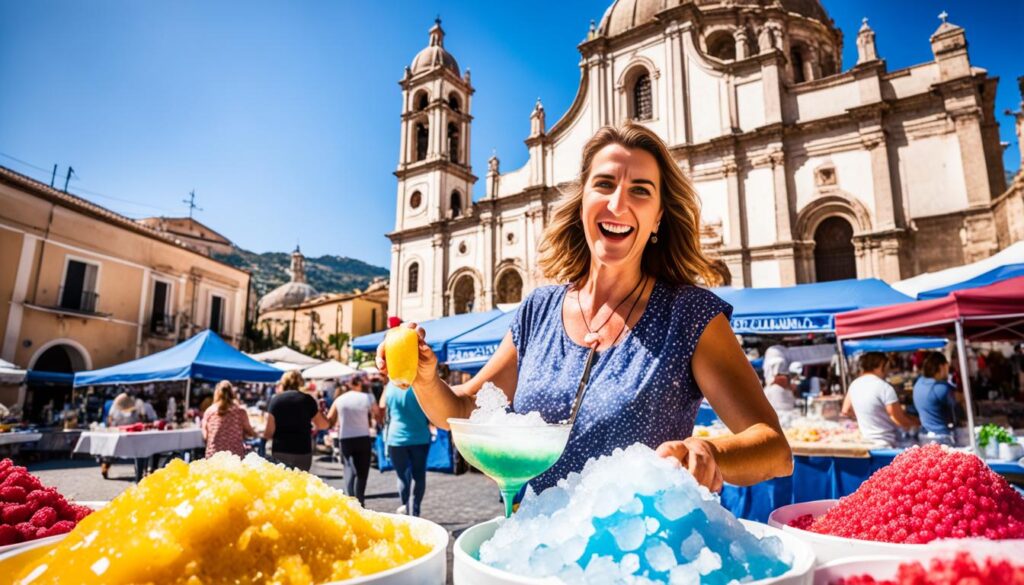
435	179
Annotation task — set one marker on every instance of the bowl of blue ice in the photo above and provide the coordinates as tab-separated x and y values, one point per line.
630	518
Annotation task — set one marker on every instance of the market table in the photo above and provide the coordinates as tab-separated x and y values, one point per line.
17	438
822	478
138	446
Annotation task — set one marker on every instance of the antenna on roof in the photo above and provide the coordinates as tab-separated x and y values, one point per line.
191	201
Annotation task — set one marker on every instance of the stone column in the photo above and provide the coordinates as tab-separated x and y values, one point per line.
783	219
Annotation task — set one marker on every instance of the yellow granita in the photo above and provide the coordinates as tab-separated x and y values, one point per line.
226	520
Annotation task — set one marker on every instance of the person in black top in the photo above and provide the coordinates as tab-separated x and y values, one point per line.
291	416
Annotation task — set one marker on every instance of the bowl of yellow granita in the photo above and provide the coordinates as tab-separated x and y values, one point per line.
240	521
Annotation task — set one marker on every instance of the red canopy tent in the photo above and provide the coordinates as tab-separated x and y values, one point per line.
988	313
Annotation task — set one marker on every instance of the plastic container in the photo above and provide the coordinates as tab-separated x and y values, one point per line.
829	548
6	548
878	566
428	569
468	570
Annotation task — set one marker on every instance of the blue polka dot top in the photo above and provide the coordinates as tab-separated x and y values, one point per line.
641	390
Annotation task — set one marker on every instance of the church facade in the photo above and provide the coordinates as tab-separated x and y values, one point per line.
806	171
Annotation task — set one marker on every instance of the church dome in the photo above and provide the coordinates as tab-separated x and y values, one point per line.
624	15
287	295
292	293
434	56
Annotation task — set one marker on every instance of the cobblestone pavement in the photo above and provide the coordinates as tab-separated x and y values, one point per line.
456	502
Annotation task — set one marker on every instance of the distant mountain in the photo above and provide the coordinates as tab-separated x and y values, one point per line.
327	274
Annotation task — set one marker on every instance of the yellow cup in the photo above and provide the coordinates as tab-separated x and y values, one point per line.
401	349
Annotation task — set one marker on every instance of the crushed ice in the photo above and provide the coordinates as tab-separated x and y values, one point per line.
631	518
492	409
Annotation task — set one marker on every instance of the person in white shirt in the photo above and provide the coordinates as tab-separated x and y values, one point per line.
873	402
778	388
354	412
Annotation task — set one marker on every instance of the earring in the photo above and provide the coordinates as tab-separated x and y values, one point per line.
654	237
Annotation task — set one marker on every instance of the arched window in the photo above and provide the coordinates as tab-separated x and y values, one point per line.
834	257
453	142
510	287
643	106
463	295
454	103
722	45
422	101
414	278
796	61
455	204
422	138
828	64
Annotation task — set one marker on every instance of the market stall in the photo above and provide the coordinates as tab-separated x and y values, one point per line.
285	358
329	370
989	313
1007	263
470	351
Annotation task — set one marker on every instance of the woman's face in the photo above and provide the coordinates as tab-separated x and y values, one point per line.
621	204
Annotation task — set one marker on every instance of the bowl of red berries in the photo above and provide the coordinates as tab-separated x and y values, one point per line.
943	568
30	511
927	494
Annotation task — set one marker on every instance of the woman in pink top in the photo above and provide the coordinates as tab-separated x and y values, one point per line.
225	423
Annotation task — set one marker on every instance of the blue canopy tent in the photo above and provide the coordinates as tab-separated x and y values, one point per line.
470	351
438	332
991	277
804	308
205	356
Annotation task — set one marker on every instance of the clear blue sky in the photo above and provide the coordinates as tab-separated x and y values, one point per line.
284	116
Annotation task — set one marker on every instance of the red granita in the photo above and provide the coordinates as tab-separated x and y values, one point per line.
962	569
28	510
925	494
802	522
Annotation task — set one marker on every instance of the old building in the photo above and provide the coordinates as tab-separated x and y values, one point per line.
320	324
84	287
191	232
807	171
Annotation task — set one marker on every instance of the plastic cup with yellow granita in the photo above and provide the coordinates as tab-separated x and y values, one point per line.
401	346
226	520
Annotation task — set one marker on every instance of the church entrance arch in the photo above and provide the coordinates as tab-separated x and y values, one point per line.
509	288
463	295
834	254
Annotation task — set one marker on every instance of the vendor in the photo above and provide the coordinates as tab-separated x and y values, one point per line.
625	243
778	387
874	403
935	399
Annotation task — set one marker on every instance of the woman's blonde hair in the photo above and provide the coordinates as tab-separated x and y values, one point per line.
124	402
676	257
224	396
292	380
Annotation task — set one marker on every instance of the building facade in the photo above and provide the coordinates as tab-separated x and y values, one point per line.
296	314
85	288
806	171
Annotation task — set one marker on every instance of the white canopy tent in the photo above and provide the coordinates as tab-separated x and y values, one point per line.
328	370
10	373
929	281
285	358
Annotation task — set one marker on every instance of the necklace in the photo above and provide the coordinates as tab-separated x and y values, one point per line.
593	336
585	378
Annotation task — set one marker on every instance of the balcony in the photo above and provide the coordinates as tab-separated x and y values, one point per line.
83	302
162	325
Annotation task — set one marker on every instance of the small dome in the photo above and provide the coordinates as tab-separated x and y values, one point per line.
624	15
434	56
287	295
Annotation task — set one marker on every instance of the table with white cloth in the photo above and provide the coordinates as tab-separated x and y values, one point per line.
16	438
140	445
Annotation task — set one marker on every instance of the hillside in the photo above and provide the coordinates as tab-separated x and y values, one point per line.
327	273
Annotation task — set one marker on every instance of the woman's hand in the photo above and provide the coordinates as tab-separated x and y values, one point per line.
698	457
426	370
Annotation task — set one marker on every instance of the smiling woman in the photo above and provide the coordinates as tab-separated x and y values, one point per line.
630	322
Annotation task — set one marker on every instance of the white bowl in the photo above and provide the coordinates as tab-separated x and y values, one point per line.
40	541
429	569
468	570
829	548
878	566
